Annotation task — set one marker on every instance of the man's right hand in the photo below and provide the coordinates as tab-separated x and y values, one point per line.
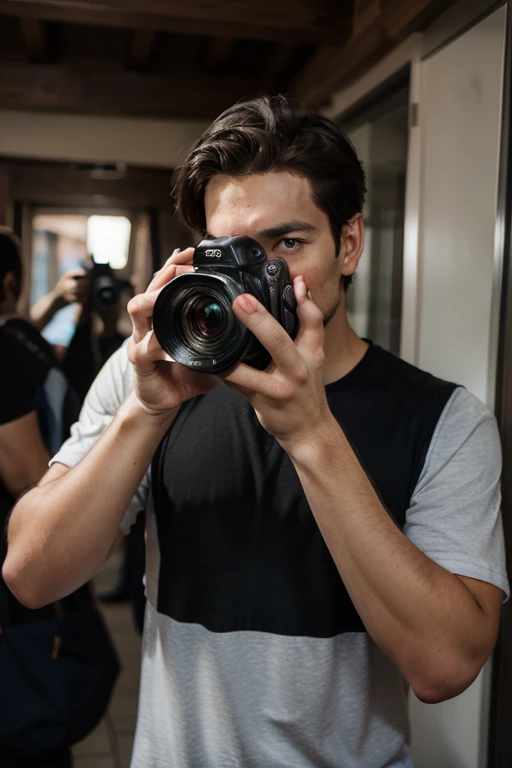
161	385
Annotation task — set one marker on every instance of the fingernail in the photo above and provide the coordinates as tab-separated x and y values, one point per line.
310	296
248	303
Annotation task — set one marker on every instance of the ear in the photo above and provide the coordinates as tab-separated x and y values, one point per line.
10	284
352	244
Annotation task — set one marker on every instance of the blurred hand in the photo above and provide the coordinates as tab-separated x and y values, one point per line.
72	287
161	385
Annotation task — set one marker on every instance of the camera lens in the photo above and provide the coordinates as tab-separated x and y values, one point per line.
209	317
195	324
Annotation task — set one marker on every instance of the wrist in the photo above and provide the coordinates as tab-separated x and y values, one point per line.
315	444
57	300
134	411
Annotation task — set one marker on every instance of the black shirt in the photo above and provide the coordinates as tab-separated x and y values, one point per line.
240	547
26	362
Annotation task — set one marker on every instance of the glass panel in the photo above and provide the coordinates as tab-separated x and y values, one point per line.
380	135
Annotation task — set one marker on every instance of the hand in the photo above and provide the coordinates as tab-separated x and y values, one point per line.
72	287
161	385
289	397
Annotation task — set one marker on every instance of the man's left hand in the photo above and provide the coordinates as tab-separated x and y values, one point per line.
289	397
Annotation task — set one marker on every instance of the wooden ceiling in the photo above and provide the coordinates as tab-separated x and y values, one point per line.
191	58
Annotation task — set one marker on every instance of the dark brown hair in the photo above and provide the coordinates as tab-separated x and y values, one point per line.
275	134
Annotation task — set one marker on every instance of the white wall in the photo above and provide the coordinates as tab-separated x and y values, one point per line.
460	114
97	139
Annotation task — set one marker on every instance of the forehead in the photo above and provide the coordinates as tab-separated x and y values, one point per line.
259	201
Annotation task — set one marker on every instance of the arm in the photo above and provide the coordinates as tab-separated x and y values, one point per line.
23	456
68	290
62	531
437	627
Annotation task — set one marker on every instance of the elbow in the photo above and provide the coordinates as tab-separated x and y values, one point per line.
21	586
443	682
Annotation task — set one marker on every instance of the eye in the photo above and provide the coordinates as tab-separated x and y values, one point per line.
290	243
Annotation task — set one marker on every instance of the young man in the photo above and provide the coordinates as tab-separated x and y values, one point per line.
321	534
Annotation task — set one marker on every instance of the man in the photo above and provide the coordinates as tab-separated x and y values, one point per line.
320	534
26	436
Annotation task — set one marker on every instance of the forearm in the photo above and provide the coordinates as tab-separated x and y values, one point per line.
44	310
61	532
423	617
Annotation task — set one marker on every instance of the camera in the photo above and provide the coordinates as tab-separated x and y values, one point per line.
193	318
105	286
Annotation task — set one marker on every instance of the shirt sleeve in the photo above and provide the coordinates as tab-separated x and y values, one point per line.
16	391
455	512
112	385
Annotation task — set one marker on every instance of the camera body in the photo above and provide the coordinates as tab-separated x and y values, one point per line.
193	318
105	286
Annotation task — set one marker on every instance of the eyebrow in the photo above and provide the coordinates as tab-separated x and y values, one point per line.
280	229
286	227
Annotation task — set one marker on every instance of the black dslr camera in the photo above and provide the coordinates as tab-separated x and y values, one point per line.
105	286
193	319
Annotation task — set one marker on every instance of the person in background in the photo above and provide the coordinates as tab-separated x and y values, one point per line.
97	334
26	444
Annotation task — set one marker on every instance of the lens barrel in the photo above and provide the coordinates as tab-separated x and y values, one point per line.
194	322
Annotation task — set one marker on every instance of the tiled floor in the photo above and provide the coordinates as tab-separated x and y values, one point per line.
110	745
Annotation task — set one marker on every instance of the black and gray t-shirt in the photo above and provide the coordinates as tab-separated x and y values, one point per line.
253	652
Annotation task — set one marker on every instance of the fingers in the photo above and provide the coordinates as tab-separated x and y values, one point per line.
140	309
145	353
310	338
269	333
163	275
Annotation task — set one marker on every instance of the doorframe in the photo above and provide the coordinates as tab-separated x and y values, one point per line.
500	379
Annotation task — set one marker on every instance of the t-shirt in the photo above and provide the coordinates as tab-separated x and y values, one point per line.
21	374
30	381
253	653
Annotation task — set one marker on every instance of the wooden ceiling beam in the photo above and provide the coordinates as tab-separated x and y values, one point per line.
278	59
307	21
35	39
382	26
55	88
219	51
141	45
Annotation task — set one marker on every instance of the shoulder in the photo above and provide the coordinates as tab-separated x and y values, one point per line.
389	368
466	428
112	385
27	336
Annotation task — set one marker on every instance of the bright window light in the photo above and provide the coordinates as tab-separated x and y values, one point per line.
108	239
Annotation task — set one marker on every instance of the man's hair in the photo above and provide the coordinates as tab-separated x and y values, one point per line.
271	134
10	258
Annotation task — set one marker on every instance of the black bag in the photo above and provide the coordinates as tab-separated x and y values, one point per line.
56	679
